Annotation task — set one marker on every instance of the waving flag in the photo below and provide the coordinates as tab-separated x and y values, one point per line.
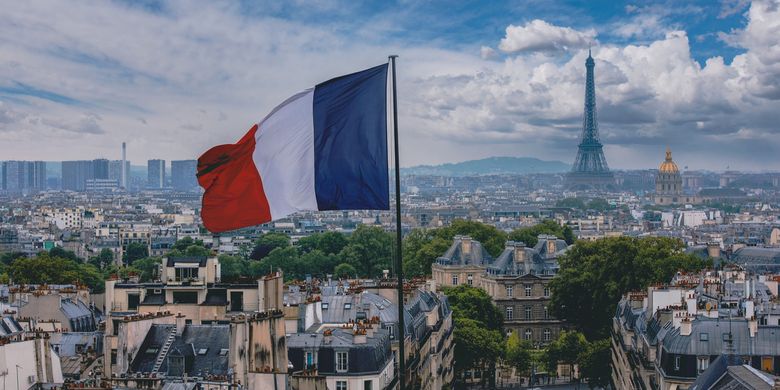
322	149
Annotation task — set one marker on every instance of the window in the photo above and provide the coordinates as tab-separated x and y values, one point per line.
341	362
704	336
347	306
677	363
185	297
324	305
546	291
341	385
528	334
309	359
528	312
391	332
528	290
184	274
547	335
470	279
367	385
132	301
702	363
509	291
454	280
546	313
509	312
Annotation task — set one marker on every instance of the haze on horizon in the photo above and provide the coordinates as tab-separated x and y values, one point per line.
499	79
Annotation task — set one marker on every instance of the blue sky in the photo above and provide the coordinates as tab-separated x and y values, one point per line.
477	79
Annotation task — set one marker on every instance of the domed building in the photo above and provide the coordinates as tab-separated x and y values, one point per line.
669	184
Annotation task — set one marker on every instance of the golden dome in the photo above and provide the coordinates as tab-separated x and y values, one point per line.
668	166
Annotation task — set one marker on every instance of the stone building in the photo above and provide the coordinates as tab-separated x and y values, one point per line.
669	184
517	281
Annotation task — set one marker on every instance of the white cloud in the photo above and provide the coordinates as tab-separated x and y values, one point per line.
487	52
538	35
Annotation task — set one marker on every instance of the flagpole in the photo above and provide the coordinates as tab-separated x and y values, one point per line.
399	271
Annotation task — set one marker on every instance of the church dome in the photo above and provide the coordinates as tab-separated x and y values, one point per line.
668	166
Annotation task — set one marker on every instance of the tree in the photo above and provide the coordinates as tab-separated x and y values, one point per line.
182	244
148	268
8	258
518	352
197	251
567	350
421	249
594	366
491	238
344	270
530	235
369	250
267	243
135	251
477	347
103	259
286	259
232	267
572	203
328	242
474	303
64	254
594	275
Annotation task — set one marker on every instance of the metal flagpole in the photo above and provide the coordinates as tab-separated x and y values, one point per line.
399	271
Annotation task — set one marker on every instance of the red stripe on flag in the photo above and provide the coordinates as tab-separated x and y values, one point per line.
234	196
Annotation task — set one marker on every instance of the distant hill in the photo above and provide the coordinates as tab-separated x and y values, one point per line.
490	166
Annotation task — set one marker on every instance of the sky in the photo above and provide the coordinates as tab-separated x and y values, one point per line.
475	79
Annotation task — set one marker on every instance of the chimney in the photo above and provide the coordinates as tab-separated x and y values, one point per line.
123	170
686	327
519	250
359	337
713	250
753	326
465	244
181	320
551	244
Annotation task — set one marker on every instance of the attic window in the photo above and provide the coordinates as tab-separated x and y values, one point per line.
347	306
223	352
704	336
152	351
324	305
202	351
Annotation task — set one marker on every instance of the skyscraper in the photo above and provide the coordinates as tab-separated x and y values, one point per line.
115	170
22	176
100	167
590	169
155	174
76	173
183	175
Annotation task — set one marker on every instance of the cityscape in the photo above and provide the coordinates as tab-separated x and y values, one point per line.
580	265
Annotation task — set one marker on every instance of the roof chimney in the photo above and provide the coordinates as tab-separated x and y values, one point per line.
465	244
686	327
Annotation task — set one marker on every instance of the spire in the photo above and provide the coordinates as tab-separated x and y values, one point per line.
668	154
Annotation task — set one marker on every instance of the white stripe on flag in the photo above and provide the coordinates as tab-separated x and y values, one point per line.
284	156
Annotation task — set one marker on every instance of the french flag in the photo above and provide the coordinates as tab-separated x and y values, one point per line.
322	149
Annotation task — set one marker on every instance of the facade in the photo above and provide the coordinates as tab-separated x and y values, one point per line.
22	176
115	171
517	281
27	362
183	175
76	173
155	174
669	184
590	169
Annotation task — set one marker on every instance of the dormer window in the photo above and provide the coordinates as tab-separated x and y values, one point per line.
325	305
347	306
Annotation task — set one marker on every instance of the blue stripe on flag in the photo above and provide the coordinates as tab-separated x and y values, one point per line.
350	142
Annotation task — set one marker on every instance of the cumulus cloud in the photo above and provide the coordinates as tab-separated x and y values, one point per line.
538	35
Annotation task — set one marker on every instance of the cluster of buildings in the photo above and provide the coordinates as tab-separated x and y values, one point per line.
708	330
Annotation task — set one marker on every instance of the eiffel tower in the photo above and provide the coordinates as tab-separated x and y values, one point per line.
590	169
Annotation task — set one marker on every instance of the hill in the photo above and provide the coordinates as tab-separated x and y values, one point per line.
490	166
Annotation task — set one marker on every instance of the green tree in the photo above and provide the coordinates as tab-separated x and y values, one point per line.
594	275
328	242
182	244
103	259
233	267
572	203
135	251
8	258
475	304
287	259
599	204
64	254
477	347
344	270
317	263
197	251
594	364
267	243
518	352
148	268
369	250
566	350
491	238
421	249
529	235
